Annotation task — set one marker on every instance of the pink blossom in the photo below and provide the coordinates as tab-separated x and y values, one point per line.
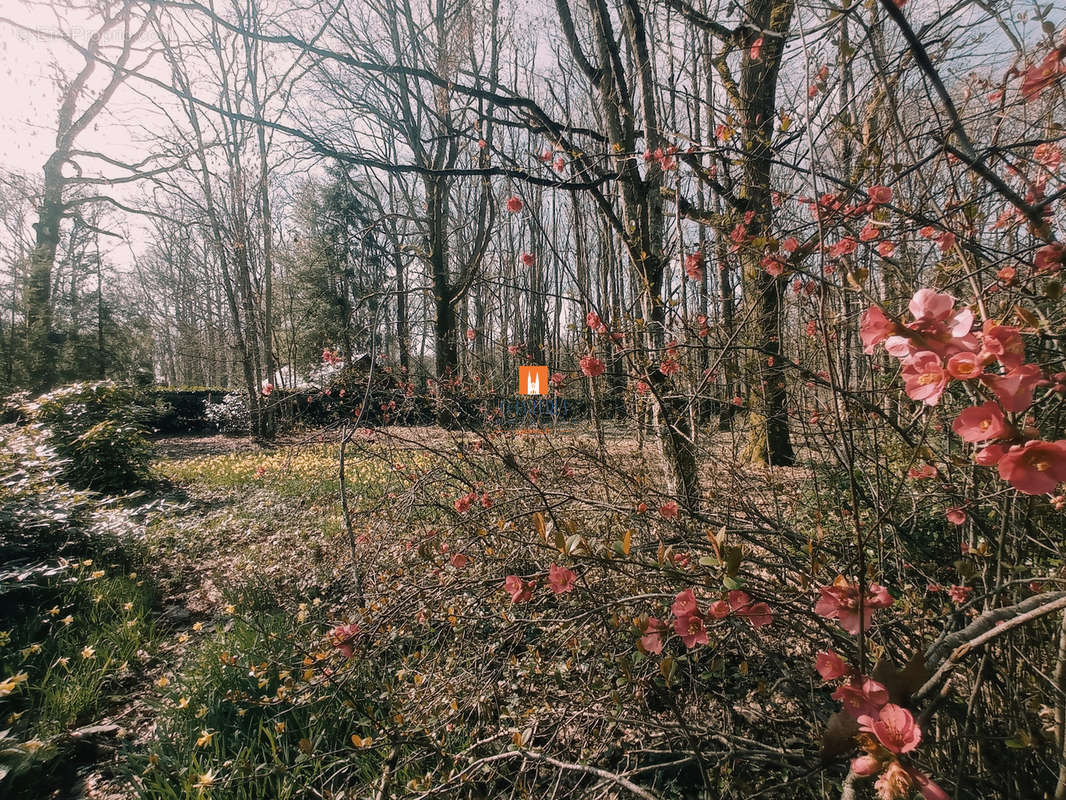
960	594
1050	257
592	366
669	366
756	49
471	334
956	516
342	637
865	766
844	247
514	204
691	630
521	591
1003	343
964	366
652	640
980	423
685	604
868	233
885	248
1044	74
874	328
668	510
927	786
894	728
694	265
719	609
790	244
830	665
561	579
1015	389
924	377
840	601
1036	467
459	560
928	305
1048	154
462	505
592	319
862	698
268	388
758	614
529	259
879	195
989	455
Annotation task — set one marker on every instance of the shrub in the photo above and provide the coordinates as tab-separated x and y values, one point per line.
231	415
96	429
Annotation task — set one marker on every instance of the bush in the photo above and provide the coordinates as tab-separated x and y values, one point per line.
230	416
96	429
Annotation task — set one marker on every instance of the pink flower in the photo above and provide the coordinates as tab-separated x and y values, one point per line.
758	614
868	233
1048	154
514	204
1003	343
830	665
790	244
669	366
561	579
844	247
928	305
1035	468
592	366
756	49
980	423
841	602
1050	257
886	248
989	455
959	594
528	259
268	388
668	510
694	265
861	698
865	766
471	334
946	241
685	604
924	377
342	637
521	591
557	378
719	609
894	728
459	561
691	630
1044	74
879	195
956	516
462	505
1015	389
773	264
874	328
592	319
964	366
652	640
927	786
